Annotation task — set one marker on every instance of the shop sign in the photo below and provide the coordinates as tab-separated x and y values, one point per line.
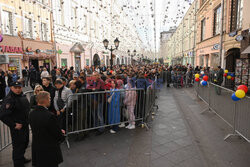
232	34
48	51
216	47
46	61
12	68
11	49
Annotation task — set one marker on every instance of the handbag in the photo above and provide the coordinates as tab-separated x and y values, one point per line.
60	102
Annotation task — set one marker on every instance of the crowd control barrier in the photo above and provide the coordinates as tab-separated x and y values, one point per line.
235	114
98	110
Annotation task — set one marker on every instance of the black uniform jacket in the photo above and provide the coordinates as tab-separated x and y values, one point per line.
47	136
15	109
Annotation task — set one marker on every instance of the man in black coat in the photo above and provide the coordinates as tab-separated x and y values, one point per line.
47	86
32	76
46	134
14	113
2	85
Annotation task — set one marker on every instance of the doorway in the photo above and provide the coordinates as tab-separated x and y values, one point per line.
35	63
232	55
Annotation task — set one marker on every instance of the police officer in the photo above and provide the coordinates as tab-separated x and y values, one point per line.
14	113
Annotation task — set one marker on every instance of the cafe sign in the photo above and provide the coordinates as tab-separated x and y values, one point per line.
11	49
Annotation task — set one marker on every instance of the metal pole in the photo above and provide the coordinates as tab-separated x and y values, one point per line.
221	33
111	58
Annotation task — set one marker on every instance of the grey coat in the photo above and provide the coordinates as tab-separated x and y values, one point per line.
66	97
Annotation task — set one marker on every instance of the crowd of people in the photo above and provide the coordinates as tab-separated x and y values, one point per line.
93	97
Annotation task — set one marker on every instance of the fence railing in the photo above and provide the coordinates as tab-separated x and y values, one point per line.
235	114
93	110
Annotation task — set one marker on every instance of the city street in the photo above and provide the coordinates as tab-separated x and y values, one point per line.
179	136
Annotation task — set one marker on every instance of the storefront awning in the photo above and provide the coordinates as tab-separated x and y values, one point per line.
246	51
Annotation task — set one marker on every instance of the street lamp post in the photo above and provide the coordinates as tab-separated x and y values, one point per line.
106	43
128	56
132	56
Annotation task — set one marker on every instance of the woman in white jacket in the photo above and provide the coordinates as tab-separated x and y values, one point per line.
44	73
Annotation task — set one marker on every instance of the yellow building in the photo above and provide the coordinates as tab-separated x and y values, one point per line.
26	27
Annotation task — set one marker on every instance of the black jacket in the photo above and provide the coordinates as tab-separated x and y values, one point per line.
15	109
47	136
51	89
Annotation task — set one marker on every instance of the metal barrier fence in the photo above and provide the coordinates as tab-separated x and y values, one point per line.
235	114
93	110
97	110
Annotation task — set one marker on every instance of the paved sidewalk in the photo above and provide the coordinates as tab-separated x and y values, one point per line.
168	143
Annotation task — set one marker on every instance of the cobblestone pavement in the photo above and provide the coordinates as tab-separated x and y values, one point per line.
175	139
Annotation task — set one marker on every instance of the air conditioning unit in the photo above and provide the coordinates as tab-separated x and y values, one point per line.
4	59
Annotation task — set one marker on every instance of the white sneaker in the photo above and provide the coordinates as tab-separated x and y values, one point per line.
128	126
122	125
131	127
112	131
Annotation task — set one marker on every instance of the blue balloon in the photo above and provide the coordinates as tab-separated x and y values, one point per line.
234	98
229	73
232	75
204	83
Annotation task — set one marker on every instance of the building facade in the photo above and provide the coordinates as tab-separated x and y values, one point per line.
81	26
181	45
26	30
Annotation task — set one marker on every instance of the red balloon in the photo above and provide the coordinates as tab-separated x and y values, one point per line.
197	79
243	87
232	78
205	78
225	75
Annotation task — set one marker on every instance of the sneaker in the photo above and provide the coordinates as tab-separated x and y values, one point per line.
112	131
122	125
128	126
131	127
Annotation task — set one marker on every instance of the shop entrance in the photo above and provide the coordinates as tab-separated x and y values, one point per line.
232	55
78	63
96	60
35	63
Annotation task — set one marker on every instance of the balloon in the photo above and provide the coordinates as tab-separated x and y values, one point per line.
197	79
225	75
229	77
215	80
205	78
197	76
234	98
240	94
202	72
243	87
232	78
204	83
226	71
232	75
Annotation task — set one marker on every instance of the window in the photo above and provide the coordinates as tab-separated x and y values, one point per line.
203	29
7	22
85	24
28	27
64	62
61	12
236	14
73	17
217	20
239	14
44	32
